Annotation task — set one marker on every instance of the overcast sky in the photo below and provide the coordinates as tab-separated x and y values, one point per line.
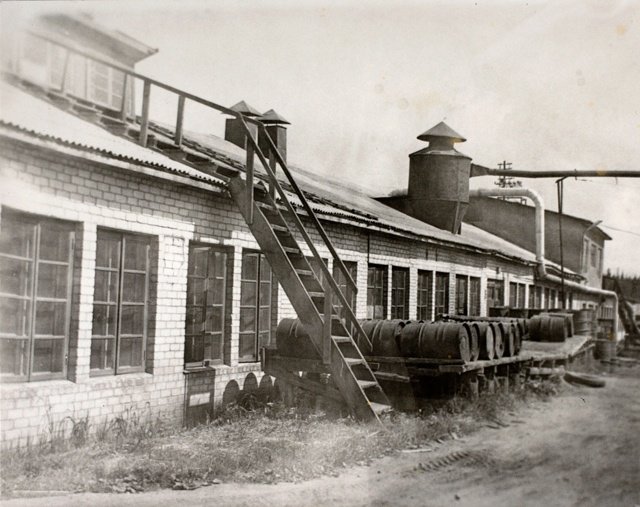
544	85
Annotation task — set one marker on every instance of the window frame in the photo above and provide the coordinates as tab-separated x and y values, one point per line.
224	305
374	289
117	368
256	334
495	287
36	261
400	293
443	292
475	292
424	295
347	290
462	296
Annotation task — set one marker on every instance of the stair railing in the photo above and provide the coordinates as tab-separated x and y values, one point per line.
270	166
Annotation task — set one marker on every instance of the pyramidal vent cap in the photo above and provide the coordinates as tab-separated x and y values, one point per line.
245	109
272	117
441	130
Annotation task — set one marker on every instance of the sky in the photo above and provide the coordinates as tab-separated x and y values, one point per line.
543	85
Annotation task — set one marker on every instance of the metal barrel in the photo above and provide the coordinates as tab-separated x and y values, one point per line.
438	340
514	344
485	340
292	340
474	341
605	348
383	335
508	330
582	320
569	320
548	328
498	338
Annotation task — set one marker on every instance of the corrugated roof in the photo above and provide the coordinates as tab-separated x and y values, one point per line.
25	112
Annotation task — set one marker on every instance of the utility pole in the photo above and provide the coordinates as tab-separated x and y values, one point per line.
505	181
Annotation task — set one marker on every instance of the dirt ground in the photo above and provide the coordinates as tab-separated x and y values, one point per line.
581	448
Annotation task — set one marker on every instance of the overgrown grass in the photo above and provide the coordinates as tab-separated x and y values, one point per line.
259	443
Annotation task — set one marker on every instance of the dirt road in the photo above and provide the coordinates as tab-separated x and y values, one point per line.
581	448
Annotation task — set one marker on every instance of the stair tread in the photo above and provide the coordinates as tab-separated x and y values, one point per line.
342	339
280	228
291	249
380	408
364	384
354	360
316	294
305	272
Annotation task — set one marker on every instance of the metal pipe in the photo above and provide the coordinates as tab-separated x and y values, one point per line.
478	170
540	258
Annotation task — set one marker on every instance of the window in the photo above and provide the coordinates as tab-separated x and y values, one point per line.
474	296
532	293
256	305
106	85
553	295
120	303
35	296
400	293
585	254
513	295
521	295
594	255
462	295
547	298
425	295
495	293
441	294
377	292
538	297
347	289
205	328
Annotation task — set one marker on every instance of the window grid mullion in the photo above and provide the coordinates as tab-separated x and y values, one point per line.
116	360
34	288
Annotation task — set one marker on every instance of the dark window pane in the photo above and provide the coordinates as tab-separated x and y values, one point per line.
250	267
193	349
48	356
195	291
198	258
102	353
13	357
247	319
15	316
130	352
106	286
134	287
104	320
194	320
135	254
265	293
247	346
15	276
216	291
132	321
54	244
214	347
265	318
108	252
265	269
52	281
50	318
17	237
214	319
219	264
248	294
265	339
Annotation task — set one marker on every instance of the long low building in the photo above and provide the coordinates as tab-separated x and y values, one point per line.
132	279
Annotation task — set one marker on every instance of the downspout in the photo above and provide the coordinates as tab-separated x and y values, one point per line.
539	224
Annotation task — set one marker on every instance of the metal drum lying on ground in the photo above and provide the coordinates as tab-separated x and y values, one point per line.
292	340
514	343
569	321
474	341
437	340
486	340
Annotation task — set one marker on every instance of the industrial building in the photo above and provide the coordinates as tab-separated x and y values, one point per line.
144	267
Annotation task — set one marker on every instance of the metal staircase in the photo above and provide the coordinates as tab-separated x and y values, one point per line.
271	217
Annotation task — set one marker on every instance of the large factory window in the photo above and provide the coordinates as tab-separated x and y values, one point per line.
425	295
36	259
462	295
207	306
377	292
400	293
474	296
120	303
256	305
441	294
495	293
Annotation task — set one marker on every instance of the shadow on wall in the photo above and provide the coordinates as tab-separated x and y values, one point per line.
201	400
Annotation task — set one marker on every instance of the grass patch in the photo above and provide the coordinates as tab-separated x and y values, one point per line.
263	443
